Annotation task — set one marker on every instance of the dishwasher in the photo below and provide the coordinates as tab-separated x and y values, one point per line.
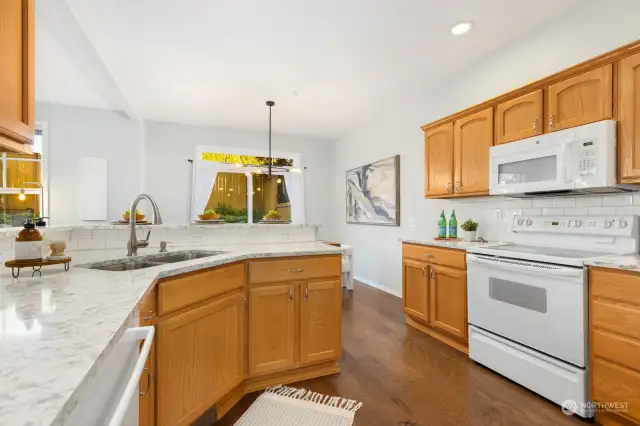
111	397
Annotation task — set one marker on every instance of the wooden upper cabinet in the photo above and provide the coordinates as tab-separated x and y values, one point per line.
415	289
438	149
519	118
629	115
272	332
582	99
320	319
201	357
448	300
473	136
16	75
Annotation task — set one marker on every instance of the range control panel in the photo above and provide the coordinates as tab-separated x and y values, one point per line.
623	225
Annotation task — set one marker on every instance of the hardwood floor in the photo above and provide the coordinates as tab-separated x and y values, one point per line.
409	379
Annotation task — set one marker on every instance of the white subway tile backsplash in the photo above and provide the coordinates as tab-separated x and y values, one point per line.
543	202
564	202
104	233
601	211
76	234
532	212
116	243
589	201
617	200
91	243
548	211
575	211
523	203
507	203
626	210
6	244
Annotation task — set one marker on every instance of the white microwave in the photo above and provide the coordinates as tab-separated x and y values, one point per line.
577	161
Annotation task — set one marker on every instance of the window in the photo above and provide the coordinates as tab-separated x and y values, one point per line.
239	188
23	173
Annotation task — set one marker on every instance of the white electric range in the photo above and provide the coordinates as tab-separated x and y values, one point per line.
528	301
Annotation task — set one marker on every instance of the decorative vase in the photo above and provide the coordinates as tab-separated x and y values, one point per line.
468	235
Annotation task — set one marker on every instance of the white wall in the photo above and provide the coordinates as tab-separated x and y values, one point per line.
76	132
596	27
168	173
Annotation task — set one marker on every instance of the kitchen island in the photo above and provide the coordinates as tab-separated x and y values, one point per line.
58	328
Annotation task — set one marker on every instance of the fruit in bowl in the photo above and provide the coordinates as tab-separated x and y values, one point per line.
127	215
209	214
272	215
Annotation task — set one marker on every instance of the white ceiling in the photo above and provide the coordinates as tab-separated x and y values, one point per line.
216	62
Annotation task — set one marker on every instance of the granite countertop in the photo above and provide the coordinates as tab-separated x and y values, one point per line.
55	330
456	244
627	262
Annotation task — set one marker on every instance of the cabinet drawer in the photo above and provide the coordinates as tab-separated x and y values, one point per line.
445	257
621	286
621	350
302	268
621	319
612	384
184	290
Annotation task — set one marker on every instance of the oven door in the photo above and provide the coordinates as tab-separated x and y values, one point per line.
538	164
539	305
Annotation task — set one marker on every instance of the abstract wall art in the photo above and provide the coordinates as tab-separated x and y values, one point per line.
373	193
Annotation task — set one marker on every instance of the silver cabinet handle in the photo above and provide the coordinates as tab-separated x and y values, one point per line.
458	185
290	295
428	255
449	188
552	118
306	292
535	124
424	271
146	391
432	275
296	270
151	316
244	303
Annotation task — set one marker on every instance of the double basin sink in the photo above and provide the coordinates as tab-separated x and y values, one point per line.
149	261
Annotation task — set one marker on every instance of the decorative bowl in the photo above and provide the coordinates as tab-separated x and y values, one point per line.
209	216
139	217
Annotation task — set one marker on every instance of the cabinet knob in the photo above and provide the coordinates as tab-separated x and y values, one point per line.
535	124
552	119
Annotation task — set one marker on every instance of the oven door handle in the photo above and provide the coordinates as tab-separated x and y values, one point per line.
516	265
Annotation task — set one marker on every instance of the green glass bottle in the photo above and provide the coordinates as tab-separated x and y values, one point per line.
442	226
453	225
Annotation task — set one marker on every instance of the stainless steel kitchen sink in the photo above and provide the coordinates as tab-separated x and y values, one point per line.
149	261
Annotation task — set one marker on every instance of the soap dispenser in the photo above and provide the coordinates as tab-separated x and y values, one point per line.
28	244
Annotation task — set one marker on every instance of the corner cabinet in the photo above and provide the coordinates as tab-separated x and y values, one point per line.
201	357
320	318
519	118
472	138
582	99
17	75
434	293
629	115
439	160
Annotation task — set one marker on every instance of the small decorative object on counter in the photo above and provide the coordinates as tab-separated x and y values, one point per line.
29	243
57	250
273	216
127	215
209	214
442	226
453	225
35	264
469	229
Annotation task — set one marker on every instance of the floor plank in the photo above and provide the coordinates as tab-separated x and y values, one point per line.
406	378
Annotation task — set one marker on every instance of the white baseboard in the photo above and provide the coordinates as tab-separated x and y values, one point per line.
379	287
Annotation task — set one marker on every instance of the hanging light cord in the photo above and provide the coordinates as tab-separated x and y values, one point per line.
270	104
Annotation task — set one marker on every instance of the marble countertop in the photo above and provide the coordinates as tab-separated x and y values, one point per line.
627	262
458	244
55	330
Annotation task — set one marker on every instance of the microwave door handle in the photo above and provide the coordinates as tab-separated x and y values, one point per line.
566	162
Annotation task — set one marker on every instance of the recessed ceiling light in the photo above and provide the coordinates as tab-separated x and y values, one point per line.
462	28
294	93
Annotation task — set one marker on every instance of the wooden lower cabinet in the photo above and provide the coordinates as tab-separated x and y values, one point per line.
201	357
271	329
434	295
614	319
147	386
320	319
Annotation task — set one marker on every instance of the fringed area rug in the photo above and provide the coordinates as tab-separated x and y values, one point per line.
286	406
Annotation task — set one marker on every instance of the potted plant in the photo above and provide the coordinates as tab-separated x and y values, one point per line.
469	229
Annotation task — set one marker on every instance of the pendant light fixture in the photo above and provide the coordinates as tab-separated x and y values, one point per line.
270	104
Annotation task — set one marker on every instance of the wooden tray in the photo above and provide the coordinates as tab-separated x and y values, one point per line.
35	264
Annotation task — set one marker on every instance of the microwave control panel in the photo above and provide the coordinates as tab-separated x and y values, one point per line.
587	162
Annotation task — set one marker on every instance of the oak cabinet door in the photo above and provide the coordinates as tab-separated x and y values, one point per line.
473	136
519	118
17	70
320	319
415	289
147	385
271	329
439	160
582	99
629	112
448	299
201	357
